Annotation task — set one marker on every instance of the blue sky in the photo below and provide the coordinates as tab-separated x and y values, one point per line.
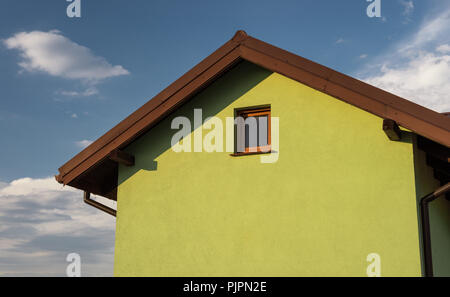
66	81
157	41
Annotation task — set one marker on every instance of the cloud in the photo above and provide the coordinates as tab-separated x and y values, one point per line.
339	41
408	7
83	143
444	49
425	79
55	54
418	67
27	186
91	91
434	30
363	56
41	222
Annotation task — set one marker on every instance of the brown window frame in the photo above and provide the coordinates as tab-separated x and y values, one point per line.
254	112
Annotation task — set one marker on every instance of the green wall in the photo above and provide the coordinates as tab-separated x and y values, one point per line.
339	191
439	214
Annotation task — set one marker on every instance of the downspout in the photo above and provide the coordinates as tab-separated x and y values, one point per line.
88	200
425	217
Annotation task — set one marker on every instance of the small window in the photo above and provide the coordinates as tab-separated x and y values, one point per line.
252	131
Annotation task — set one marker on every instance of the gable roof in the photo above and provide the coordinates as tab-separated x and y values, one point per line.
92	169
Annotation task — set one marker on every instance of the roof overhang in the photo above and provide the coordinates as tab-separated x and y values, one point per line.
94	170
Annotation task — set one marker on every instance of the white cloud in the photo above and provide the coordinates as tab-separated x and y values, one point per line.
425	79
27	186
83	143
435	29
91	91
340	40
363	56
408	7
57	55
418	67
41	222
74	116
444	49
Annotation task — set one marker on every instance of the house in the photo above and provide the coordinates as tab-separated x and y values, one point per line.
329	177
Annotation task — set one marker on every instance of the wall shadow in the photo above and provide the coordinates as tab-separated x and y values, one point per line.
221	93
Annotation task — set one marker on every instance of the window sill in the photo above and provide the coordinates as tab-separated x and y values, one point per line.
251	153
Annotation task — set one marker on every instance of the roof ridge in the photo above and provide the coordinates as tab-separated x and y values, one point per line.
344	80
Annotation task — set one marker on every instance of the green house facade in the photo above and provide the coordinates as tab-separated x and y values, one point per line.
350	180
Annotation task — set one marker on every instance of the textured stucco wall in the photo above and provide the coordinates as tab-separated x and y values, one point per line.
339	191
